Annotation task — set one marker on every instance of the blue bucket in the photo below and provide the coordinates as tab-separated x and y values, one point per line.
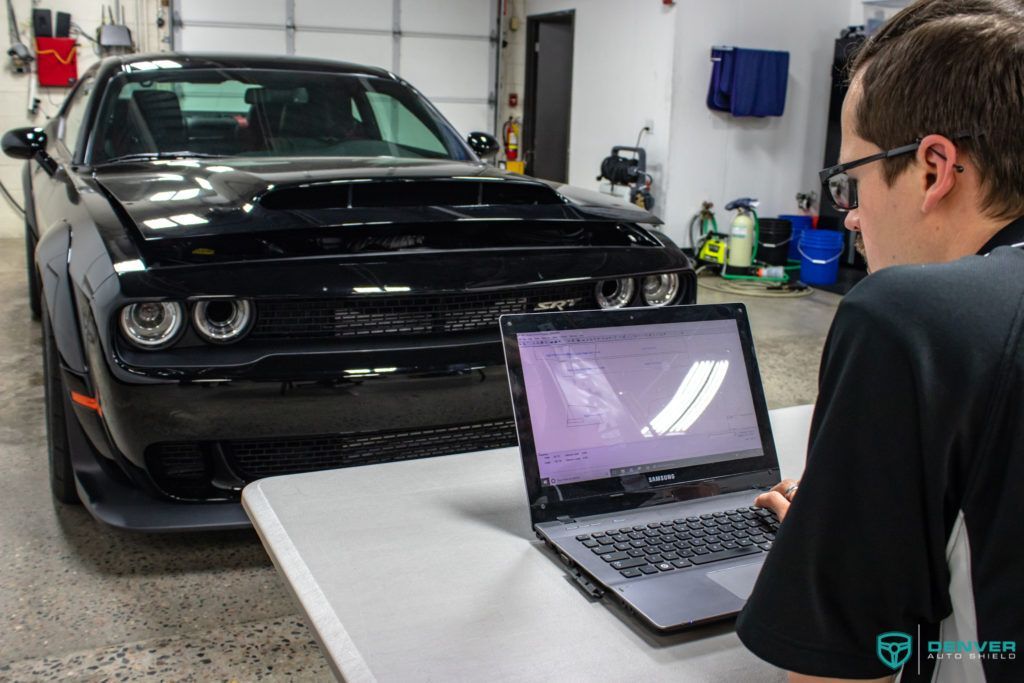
799	223
819	256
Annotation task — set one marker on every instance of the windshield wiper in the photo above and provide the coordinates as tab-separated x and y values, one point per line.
148	156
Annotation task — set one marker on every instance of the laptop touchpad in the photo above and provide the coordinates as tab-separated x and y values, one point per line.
737	580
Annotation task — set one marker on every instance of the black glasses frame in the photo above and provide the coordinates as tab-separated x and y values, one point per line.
826	174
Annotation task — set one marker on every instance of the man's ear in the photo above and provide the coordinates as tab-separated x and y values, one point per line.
937	155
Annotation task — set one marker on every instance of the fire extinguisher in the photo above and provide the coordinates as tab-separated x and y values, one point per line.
510	136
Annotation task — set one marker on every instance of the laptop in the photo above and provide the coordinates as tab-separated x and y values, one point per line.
645	439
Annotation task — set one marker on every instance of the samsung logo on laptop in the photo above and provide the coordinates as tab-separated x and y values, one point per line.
658	478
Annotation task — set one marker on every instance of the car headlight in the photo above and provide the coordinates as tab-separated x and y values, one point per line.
222	321
153	324
658	290
615	293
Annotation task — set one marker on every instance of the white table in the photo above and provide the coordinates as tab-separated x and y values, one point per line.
427	570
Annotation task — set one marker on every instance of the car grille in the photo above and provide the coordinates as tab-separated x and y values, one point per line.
267	457
182	469
409	315
182	461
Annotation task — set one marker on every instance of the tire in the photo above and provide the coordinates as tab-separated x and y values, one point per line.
34	290
62	476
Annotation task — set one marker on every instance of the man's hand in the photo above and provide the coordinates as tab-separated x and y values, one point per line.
778	499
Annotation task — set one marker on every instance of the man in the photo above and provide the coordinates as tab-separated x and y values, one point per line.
907	533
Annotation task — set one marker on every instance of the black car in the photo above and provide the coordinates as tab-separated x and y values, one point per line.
253	266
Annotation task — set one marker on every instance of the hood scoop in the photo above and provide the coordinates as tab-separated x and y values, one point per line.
409	193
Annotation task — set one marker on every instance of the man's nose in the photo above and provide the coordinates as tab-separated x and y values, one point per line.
852	221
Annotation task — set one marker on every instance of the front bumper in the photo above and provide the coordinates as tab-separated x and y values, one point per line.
113	499
191	446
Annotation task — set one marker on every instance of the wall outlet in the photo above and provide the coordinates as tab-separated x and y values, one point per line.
649	125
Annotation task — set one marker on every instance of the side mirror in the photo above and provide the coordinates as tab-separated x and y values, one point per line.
28	143
23	143
483	144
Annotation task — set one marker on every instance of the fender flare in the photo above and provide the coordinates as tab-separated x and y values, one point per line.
53	254
30	202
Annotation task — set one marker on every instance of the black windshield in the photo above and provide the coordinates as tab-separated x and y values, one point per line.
265	112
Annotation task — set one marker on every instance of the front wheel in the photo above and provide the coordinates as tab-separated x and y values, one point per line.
62	476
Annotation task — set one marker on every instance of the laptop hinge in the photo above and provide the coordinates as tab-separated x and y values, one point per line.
565	519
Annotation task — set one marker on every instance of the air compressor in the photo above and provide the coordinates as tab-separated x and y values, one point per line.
631	172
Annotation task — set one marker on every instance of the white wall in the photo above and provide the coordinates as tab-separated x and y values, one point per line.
512	74
641	60
14	88
622	77
716	157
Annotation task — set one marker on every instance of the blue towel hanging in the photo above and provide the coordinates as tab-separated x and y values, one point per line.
747	82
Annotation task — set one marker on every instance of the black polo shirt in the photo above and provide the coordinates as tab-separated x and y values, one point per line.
910	514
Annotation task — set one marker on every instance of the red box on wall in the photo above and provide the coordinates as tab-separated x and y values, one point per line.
57	61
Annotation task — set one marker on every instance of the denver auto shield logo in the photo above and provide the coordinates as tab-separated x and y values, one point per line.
893	648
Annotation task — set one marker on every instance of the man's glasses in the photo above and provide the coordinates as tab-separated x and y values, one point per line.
841	187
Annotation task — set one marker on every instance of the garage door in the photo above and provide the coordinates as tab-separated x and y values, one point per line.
446	48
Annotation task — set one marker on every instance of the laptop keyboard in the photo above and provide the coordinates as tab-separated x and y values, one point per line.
672	545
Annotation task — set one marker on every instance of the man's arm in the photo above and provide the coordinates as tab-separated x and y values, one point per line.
862	552
778	500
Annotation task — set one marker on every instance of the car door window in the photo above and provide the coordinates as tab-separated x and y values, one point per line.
74	114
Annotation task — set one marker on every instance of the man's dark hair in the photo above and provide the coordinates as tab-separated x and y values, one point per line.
950	67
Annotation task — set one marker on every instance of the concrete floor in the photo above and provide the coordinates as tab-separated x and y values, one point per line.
84	602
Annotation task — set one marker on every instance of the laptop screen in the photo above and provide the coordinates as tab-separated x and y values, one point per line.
634	400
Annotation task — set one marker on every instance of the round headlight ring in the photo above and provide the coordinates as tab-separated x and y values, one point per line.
152	324
660	290
615	293
222	321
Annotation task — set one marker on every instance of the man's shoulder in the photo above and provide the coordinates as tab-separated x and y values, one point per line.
971	296
971	272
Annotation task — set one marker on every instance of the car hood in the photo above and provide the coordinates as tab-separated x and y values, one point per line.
172	199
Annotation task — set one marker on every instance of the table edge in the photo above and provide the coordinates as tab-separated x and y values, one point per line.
346	662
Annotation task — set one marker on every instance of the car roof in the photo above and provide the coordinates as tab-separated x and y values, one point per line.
226	60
